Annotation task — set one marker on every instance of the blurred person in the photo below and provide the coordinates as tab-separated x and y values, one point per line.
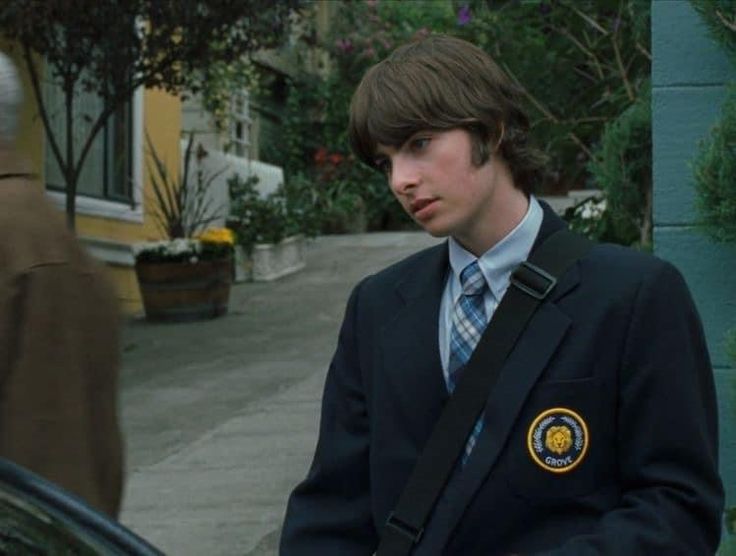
601	436
59	325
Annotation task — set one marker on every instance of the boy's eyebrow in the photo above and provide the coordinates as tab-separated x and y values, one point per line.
382	151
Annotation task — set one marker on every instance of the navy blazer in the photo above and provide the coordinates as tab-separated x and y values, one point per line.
618	342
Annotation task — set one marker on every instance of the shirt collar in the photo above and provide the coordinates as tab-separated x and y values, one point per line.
499	261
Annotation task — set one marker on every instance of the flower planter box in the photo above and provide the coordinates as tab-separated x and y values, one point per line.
181	291
270	261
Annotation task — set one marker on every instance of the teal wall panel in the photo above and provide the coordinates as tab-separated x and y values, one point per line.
681	117
689	73
685	53
710	272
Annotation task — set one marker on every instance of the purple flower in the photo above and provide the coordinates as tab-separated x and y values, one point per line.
463	15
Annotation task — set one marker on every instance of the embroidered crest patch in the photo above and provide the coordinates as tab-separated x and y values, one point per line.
558	440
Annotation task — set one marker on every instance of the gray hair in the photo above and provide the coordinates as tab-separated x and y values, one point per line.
11	97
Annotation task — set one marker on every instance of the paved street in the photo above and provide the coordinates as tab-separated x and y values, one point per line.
221	416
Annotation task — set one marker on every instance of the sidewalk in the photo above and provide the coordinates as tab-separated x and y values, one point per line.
221	416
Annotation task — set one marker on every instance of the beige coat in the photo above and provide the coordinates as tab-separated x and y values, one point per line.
59	351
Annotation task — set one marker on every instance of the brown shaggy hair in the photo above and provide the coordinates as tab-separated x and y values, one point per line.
442	83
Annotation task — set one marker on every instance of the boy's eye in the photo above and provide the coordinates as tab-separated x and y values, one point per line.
419	143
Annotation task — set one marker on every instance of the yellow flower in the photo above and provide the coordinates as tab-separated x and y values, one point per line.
217	235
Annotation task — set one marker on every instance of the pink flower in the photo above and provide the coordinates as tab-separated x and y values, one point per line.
344	45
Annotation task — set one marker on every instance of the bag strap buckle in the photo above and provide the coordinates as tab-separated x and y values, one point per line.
404	528
533	281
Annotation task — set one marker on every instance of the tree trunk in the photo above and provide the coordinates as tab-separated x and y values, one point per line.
71	173
645	237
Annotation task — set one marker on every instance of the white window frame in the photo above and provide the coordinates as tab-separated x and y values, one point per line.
130	211
242	117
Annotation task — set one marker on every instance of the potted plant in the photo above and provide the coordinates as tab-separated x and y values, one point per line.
187	275
268	230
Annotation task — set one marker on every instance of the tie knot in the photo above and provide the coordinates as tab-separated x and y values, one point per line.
472	280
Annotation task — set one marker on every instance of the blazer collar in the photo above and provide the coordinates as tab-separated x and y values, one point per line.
429	277
551	223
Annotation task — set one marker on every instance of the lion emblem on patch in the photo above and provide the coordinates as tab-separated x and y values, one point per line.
558	440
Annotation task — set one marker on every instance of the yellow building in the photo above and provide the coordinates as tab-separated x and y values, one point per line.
113	211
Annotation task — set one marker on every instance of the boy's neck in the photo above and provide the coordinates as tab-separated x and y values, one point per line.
508	208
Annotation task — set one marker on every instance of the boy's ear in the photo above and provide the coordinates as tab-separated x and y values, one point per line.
500	138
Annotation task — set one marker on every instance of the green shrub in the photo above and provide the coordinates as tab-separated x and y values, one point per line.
256	219
621	167
715	175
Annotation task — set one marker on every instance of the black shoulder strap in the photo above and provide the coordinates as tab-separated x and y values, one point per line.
532	282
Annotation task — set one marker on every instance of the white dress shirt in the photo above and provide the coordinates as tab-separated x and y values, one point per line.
496	264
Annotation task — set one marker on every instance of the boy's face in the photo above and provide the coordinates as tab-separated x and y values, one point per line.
434	179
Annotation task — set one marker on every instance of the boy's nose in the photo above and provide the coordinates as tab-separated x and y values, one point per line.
403	177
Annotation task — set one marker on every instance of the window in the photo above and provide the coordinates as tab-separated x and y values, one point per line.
108	169
240	124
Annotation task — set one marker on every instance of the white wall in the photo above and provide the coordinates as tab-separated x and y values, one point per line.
270	177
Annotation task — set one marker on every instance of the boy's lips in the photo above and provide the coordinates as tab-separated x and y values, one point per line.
418	204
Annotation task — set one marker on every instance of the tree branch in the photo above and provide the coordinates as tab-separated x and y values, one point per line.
622	70
36	86
730	24
544	110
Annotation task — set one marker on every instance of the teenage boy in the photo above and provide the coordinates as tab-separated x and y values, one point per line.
600	436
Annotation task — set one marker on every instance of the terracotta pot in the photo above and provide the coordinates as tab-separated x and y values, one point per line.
180	291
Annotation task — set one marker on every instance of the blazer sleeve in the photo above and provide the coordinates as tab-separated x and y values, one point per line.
667	434
329	513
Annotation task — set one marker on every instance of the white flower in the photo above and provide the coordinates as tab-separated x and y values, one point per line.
165	248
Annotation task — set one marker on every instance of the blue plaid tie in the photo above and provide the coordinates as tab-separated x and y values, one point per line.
468	323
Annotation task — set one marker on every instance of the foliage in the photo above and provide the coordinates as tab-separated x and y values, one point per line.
215	243
621	166
257	219
720	18
181	208
220	82
715	175
112	48
578	63
714	166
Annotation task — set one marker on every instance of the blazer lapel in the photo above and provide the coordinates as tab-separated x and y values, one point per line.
410	348
520	372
